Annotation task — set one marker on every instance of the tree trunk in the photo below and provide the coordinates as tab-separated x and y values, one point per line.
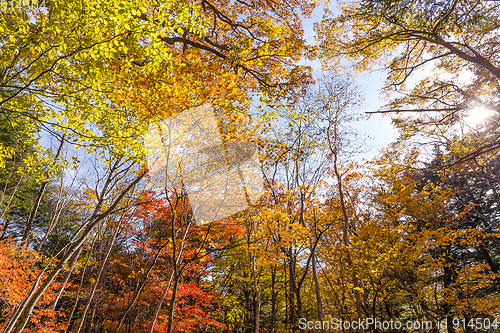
66	277
100	277
38	199
273	297
355	283
70	320
448	279
256	290
160	303
172	303
139	289
20	319
6	224
291	272
319	304
174	292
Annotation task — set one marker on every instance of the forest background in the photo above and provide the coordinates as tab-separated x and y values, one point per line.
87	244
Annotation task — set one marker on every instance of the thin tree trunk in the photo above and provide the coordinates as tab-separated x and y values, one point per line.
448	279
357	295
176	264
287	317
172	302
334	149
66	277
6	224
19	320
273	297
139	290
7	180
57	213
319	304
177	272
160	303
256	290
300	309
80	287
257	297
100	275
38	199
291	272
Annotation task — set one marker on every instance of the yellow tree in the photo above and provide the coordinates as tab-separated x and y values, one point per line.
100	73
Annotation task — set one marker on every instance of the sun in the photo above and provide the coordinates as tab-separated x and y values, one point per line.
477	115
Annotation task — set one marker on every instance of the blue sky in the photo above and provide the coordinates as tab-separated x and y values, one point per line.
378	128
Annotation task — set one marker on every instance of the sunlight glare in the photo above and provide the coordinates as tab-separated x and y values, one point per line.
477	115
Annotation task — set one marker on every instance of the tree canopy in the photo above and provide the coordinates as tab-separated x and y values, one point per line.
91	241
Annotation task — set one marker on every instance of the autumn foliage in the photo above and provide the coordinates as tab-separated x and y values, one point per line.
90	244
